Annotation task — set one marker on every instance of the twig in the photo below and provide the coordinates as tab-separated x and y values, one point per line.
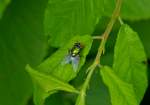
97	37
120	20
101	48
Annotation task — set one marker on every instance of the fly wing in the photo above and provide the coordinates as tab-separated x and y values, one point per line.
75	62
66	60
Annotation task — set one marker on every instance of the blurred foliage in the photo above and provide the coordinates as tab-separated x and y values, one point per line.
131	9
21	42
78	17
3	5
33	30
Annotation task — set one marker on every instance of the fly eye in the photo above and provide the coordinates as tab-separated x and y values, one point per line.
77	44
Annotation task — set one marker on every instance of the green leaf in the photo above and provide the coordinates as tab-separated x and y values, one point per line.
121	93
53	68
48	84
3	5
144	33
21	42
129	57
131	9
66	18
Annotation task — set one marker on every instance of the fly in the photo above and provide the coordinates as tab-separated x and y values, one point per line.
73	56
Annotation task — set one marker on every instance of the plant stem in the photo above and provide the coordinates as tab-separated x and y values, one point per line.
109	27
97	37
120	20
101	48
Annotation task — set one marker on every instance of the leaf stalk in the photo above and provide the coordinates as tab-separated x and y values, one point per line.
101	48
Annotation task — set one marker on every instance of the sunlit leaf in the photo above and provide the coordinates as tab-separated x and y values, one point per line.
121	93
144	33
47	84
129	60
52	68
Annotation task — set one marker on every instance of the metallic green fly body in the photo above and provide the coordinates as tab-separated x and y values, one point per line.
74	56
76	49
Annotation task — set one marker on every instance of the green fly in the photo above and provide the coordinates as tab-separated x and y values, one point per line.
74	55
